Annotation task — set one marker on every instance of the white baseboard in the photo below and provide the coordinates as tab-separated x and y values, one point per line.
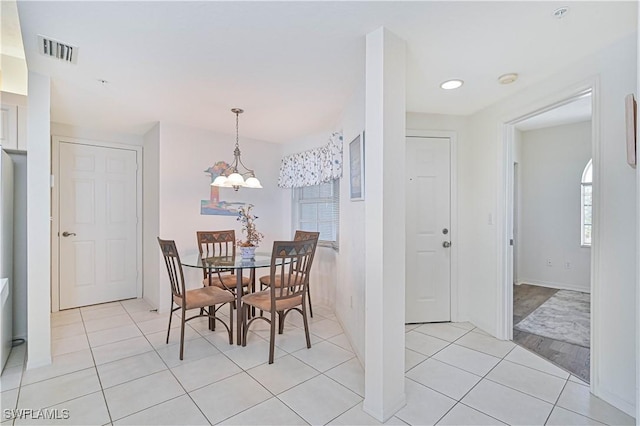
559	286
617	401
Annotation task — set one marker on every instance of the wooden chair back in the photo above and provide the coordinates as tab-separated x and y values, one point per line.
174	267
217	244
290	265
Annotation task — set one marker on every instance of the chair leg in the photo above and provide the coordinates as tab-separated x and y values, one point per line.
170	316
309	297
231	324
182	334
212	320
272	336
280	322
306	323
244	324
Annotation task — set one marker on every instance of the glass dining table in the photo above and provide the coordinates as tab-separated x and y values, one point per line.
238	264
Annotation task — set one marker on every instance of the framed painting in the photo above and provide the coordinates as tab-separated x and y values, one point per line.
631	128
356	168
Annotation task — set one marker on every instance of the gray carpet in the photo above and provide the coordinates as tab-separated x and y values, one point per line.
566	316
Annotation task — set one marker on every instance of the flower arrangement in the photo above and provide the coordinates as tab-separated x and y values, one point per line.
253	237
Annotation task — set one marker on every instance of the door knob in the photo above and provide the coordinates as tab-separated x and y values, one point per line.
446	244
68	234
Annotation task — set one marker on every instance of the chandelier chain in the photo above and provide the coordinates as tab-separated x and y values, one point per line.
237	116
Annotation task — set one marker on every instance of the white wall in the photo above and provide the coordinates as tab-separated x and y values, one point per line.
184	155
637	240
350	264
551	166
482	164
38	222
19	245
13	74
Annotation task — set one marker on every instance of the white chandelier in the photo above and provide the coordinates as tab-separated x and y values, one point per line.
231	177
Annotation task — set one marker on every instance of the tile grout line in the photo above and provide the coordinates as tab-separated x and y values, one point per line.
555	404
474	386
168	368
95	366
246	371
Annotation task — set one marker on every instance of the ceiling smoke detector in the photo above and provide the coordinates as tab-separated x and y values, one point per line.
507	78
560	12
57	49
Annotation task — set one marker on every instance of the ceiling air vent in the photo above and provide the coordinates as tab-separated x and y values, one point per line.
57	49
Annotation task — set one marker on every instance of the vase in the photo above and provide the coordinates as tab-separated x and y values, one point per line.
248	252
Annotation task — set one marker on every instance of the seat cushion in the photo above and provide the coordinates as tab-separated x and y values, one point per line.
225	281
205	296
266	280
262	301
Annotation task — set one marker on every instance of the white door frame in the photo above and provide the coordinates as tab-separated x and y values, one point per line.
55	217
453	137
505	211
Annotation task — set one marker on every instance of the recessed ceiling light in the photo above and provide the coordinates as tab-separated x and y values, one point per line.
560	12
451	84
507	78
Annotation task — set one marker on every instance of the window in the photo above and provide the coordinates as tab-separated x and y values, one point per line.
587	206
317	208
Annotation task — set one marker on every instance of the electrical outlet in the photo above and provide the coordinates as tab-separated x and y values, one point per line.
567	265
549	263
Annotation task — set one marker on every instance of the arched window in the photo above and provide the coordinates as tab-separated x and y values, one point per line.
587	207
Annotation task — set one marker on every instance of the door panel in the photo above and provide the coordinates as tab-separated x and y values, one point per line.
428	263
98	208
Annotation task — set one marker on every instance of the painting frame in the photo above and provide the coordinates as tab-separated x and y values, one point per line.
631	109
356	168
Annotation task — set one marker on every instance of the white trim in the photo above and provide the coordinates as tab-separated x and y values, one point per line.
551	284
455	230
381	414
615	400
506	131
55	217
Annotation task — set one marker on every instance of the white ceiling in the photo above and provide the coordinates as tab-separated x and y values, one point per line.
293	65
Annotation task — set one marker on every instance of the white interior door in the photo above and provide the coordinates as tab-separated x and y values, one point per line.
98	224
428	215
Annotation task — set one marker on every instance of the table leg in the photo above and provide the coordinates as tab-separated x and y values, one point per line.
212	322
239	306
252	275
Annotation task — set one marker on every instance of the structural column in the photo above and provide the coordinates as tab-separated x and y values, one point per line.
385	112
39	221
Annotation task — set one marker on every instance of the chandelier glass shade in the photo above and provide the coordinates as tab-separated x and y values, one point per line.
233	176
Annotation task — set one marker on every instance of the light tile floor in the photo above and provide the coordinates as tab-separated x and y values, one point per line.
112	366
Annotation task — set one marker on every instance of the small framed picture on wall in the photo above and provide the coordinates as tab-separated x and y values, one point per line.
356	168
630	116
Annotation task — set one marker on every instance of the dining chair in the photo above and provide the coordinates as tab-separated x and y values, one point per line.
204	299
290	267
220	244
265	281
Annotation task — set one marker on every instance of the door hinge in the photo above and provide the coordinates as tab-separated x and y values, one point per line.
511	242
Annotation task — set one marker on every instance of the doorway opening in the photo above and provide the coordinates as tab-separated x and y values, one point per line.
550	214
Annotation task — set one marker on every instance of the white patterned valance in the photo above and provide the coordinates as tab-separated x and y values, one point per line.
313	167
